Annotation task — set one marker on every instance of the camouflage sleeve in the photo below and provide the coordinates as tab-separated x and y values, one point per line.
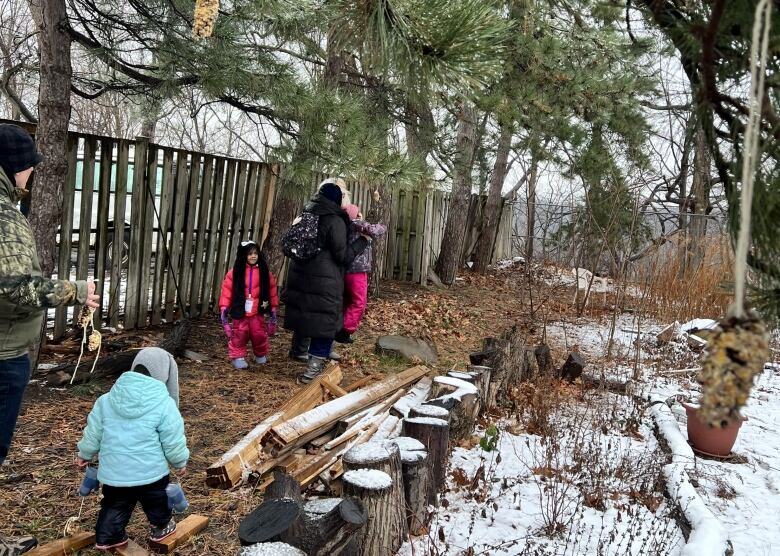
37	292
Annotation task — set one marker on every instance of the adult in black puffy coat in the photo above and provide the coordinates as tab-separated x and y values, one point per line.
315	288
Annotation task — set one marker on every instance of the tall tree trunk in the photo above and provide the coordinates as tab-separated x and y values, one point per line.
285	210
455	228
700	191
533	176
493	206
52	134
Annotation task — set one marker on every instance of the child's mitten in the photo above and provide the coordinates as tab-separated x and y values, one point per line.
271	325
225	323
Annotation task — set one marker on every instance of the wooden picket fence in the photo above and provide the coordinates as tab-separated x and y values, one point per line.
174	219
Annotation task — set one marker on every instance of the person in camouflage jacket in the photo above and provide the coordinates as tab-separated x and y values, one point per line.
24	292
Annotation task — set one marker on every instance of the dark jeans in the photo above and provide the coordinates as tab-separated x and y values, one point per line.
14	376
320	347
118	504
299	345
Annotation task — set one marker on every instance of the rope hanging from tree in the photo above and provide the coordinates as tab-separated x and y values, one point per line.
739	348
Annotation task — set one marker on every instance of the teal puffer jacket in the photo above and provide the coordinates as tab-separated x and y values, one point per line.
137	432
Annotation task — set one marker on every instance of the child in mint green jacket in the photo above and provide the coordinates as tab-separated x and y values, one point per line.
137	432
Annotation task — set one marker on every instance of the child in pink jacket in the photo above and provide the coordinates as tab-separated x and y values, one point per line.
248	293
356	278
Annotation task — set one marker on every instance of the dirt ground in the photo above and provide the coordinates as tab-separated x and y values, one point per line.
38	486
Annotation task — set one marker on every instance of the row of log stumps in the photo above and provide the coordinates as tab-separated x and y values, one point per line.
390	482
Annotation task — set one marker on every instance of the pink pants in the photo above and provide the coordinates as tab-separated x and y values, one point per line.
245	330
355	299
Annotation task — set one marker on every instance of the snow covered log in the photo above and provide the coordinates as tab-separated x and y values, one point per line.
374	490
707	535
435	436
428	410
417	394
383	456
481	375
270	549
461	399
416	477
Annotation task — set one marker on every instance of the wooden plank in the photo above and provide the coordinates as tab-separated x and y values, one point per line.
226	472
367	421
419	224
185	530
63	547
258	209
136	233
66	232
224	234
132	548
417	395
334	389
292	430
217	195
238	211
177	223
248	212
120	204
204	204
425	242
406	236
149	195
163	225
270	197
85	222
185	274
361	382
392	235
104	198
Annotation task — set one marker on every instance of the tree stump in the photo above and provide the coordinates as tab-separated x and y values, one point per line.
544	359
513	362
374	490
428	410
482	381
461	398
319	528
435	436
383	456
460	375
572	369
416	475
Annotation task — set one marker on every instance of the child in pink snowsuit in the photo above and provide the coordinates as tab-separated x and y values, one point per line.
356	278
248	293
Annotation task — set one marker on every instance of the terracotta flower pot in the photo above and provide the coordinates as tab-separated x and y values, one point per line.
707	440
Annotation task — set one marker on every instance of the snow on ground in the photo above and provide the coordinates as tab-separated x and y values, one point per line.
744	493
592	337
583	489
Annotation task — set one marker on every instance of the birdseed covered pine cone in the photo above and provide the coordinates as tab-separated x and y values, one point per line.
736	353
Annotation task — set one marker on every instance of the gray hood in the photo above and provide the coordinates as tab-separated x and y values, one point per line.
162	366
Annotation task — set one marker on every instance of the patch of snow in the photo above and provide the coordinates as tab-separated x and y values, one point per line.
428	410
463	388
461	376
370	452
427	421
699	324
368	478
407	443
271	549
413	456
321	505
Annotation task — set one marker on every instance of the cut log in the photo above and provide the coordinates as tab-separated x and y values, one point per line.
63	547
228	470
334	389
417	395
461	399
513	361
330	525
428	410
482	382
387	430
435	436
572	369
359	383
185	530
383	456
270	521
271	549
374	490
132	548
411	349
374	418
544	360
318	420
416	477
